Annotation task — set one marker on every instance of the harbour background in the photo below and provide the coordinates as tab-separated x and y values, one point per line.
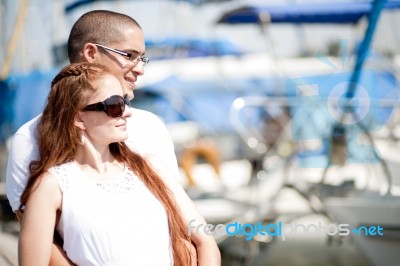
45	31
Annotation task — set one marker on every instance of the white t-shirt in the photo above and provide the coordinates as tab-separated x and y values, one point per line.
147	135
114	222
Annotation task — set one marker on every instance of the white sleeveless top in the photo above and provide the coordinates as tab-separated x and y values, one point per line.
116	223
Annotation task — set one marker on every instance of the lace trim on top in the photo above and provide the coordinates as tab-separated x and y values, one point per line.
60	172
68	172
122	185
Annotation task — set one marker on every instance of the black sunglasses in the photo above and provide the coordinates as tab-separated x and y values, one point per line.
114	106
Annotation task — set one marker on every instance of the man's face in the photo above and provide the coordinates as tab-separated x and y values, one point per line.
124	69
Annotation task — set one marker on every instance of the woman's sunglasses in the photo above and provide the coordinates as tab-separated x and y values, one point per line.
114	106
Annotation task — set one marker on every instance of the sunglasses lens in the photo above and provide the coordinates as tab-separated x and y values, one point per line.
115	106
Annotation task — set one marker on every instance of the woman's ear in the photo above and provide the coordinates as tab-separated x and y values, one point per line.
89	52
78	121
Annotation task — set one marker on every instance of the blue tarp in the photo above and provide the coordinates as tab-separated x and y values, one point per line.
23	97
333	12
7	97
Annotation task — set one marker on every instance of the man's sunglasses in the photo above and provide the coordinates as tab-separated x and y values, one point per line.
138	58
114	106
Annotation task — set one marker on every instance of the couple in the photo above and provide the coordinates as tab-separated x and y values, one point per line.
101	174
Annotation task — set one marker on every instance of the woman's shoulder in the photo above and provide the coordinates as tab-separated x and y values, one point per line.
60	169
47	187
48	179
63	173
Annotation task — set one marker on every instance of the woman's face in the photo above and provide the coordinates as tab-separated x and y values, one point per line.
100	128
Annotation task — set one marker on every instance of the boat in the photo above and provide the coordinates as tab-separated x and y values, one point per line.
332	150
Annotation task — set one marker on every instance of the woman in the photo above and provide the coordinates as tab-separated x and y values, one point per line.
106	202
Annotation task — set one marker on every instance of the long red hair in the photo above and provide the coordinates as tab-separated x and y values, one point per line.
58	139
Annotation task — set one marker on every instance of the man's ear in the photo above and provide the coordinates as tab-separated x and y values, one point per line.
78	121
89	52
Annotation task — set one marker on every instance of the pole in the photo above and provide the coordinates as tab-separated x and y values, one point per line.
12	44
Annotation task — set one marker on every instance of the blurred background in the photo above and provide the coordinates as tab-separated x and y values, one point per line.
255	97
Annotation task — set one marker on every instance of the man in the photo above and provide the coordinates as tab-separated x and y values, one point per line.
117	41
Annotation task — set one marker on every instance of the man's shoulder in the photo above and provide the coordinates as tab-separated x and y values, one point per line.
143	118
29	128
145	128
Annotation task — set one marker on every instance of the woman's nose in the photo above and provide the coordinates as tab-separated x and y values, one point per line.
127	111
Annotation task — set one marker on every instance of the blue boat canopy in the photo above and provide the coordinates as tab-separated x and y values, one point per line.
334	12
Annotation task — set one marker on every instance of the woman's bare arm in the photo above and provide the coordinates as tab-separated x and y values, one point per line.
38	223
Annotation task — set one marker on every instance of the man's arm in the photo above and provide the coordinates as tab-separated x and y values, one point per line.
165	163
58	256
23	150
206	249
166	151
148	135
